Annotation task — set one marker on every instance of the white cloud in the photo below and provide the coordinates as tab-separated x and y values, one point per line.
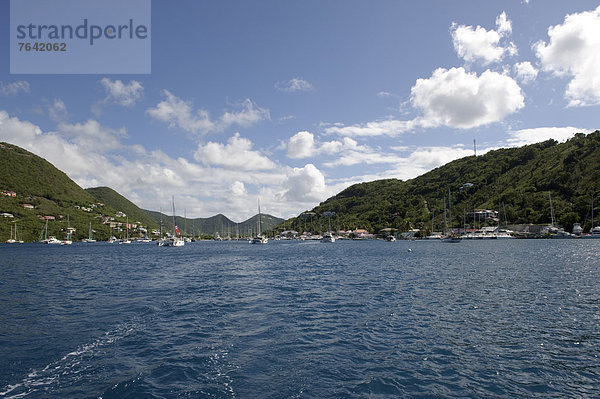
123	94
480	44
457	98
525	72
68	156
414	163
58	111
92	136
450	97
301	145
304	145
236	154
13	88
389	127
503	25
385	94
295	84
150	178
529	136
179	113
305	184
249	115
574	50
238	189
427	158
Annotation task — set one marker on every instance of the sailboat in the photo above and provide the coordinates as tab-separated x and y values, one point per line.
328	237
259	239
173	240
51	239
12	240
594	231
126	240
551	230
68	240
90	238
449	237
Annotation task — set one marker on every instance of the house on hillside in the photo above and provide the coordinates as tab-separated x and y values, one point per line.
28	206
9	193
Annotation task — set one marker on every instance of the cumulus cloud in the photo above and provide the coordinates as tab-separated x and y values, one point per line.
450	97
461	99
238	189
305	184
123	94
525	72
522	137
482	45
574	50
13	88
236	154
92	136
150	177
295	84
301	145
304	145
180	114
66	155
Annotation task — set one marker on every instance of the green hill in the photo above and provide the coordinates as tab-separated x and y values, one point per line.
215	224
48	193
514	181
110	197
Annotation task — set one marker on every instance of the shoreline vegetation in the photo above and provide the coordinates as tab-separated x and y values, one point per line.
503	190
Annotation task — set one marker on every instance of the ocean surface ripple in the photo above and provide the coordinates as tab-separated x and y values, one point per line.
494	319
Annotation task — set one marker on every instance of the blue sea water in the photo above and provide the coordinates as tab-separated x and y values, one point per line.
367	319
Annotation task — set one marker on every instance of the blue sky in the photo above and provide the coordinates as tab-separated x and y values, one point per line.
294	101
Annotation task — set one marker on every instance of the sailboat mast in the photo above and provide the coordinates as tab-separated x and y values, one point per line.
174	229
161	223
445	221
450	210
592	212
551	209
259	219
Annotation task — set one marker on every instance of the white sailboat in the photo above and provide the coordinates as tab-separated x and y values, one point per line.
51	239
90	235
259	239
553	231
126	240
328	237
594	231
68	241
12	240
173	240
